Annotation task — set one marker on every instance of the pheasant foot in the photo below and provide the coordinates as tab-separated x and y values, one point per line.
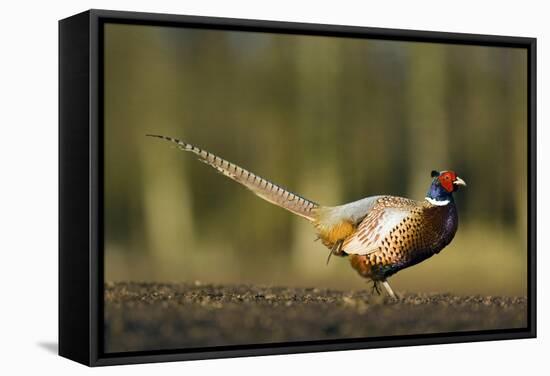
336	250
389	290
376	288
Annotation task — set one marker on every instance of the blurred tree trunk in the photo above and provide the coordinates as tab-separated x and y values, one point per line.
318	68
518	102
167	202
427	133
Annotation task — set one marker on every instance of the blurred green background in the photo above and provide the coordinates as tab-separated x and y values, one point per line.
332	119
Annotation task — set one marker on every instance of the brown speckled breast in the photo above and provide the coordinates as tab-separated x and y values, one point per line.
422	232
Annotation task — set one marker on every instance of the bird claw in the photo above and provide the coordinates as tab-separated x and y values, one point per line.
335	250
375	288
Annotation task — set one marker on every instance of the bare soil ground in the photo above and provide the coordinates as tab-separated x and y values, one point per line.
155	316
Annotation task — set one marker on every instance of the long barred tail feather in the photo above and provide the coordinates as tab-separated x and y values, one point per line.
261	187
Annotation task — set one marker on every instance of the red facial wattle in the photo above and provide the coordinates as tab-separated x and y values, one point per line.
446	180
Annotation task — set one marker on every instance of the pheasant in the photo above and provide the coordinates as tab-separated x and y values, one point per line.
380	235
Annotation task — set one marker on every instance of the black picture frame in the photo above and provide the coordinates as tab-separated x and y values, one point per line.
81	200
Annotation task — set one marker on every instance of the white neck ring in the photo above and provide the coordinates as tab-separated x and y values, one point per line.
437	203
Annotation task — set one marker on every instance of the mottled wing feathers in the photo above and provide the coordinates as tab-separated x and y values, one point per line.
373	230
385	216
261	187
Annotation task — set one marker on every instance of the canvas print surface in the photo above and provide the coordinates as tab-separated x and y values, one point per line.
350	188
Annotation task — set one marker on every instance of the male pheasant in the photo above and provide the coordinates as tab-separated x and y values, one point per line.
380	234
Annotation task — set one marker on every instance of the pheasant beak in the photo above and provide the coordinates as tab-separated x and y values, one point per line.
459	181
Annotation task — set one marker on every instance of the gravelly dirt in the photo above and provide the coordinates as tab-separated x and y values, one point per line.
153	316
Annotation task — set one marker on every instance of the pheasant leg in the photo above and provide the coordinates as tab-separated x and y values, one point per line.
375	288
388	288
336	249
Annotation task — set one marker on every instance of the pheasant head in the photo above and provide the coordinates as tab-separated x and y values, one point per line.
444	183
